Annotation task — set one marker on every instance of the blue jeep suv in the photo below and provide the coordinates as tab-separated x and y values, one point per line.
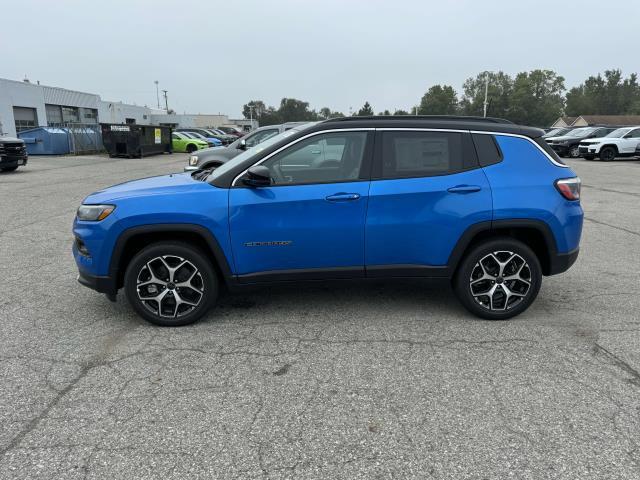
480	201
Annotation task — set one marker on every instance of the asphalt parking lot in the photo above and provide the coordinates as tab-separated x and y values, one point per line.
346	381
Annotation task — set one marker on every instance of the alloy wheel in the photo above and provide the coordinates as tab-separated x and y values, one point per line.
169	286
500	281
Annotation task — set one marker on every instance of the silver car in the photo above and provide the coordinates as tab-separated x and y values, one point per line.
217	156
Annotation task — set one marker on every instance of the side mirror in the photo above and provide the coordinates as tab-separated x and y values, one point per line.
242	145
257	176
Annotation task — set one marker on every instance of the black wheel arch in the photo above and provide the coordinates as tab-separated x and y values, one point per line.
534	233
134	239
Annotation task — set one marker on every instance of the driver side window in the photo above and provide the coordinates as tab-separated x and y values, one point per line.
324	158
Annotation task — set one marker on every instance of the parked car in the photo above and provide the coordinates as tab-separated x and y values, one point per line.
568	144
201	133
482	202
619	143
557	132
13	154
232	131
213	142
225	137
181	142
216	157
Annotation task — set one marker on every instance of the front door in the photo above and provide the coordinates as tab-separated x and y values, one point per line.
630	141
426	190
310	222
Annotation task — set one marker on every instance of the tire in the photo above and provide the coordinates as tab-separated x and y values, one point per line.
186	300
510	296
574	152
191	148
608	154
9	169
589	157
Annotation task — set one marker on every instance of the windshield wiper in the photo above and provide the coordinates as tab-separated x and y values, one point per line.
202	174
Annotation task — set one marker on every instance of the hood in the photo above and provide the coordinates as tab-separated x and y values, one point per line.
599	139
11	139
217	153
162	185
563	138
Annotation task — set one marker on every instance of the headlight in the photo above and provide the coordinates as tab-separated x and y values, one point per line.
193	160
94	213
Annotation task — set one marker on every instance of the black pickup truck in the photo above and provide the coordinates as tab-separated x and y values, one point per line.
13	154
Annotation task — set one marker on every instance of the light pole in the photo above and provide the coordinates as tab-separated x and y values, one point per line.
157	93
166	102
486	92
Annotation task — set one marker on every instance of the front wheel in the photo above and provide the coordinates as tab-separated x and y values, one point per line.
498	279
171	284
8	169
574	152
607	154
191	148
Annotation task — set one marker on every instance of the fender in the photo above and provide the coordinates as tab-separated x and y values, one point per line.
494	225
203	232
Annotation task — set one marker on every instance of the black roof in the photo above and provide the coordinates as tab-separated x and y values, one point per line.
453	122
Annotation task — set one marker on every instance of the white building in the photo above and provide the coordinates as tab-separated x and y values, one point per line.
25	105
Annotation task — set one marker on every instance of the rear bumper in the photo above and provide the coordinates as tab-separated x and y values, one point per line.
561	262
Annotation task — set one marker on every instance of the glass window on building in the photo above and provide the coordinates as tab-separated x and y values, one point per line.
130	121
54	115
89	115
25	118
70	115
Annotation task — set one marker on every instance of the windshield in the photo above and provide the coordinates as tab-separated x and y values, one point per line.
556	132
619	133
580	132
250	153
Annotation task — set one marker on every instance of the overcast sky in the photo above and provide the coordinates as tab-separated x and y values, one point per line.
214	56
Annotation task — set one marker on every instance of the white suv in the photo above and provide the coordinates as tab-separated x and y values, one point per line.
619	143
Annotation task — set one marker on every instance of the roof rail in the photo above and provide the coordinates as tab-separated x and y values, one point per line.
424	117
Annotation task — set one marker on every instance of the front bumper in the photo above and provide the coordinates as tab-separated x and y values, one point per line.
587	150
560	149
190	168
8	161
98	283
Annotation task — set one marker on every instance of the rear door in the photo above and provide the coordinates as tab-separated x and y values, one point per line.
310	222
426	190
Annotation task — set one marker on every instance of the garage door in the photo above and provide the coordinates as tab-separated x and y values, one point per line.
25	118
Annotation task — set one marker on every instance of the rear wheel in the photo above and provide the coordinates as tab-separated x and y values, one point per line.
498	279
171	284
608	154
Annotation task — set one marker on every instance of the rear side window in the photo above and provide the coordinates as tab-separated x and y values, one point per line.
487	149
545	146
423	154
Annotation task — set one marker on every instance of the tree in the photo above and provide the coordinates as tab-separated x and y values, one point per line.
258	108
292	110
439	100
608	95
537	98
499	93
385	113
326	113
365	111
401	112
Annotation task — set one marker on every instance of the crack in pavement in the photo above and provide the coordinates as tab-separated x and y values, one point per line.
637	234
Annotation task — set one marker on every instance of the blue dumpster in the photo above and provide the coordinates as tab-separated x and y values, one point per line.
46	141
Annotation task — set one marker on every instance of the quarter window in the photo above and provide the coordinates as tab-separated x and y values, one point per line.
324	158
421	154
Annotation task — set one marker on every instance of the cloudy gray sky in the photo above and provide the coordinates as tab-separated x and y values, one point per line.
214	56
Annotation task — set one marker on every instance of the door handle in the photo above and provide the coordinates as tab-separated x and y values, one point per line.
343	197
464	189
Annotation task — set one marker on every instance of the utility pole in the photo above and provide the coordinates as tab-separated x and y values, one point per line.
251	115
157	93
166	102
486	92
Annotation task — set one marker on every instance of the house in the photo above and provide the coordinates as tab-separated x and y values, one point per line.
622	120
563	122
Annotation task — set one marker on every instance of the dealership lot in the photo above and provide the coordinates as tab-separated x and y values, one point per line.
349	381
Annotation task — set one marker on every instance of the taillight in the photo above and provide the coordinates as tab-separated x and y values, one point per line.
569	188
